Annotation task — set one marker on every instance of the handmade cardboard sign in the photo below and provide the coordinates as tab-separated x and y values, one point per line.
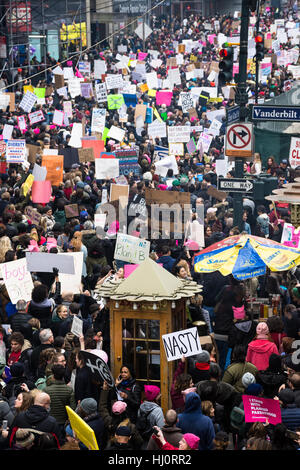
131	249
17	280
45	262
182	343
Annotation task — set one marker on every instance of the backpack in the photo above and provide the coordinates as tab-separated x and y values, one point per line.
143	426
237	419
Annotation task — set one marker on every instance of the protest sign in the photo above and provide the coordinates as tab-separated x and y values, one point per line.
99	68
106	168
71	283
131	249
39	173
71	210
99	220
45	262
186	101
164	97
118	191
35	117
86	155
67	105
140	110
74	87
32	215
115	101
7	131
86	89
15	151
116	133
101	93
114	81
98	368
259	409
27	184
84	67
28	101
58	118
176	148
179	133
287	233
17	280
96	145
128	162
22	122
162	166
157	129
82	430
182	343
4	101
76	327
294	156
55	167
98	120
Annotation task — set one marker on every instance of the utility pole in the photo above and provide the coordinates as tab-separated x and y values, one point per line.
241	99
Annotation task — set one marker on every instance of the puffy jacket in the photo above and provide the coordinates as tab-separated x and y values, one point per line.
193	421
61	396
19	321
259	351
167	262
234	373
5	411
290	416
36	417
155	416
242	332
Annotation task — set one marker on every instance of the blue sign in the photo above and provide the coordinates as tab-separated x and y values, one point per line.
275	113
233	114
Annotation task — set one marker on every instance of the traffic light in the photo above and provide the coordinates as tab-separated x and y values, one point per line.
225	64
260	47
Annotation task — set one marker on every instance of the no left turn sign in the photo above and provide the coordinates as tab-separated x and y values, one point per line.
239	140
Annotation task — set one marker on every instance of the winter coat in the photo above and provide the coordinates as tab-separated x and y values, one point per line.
5	411
61	396
290	416
155	416
242	332
108	420
167	262
193	421
84	386
234	373
13	388
133	400
60	218
36	417
96	423
172	435
270	381
176	396
259	351
19	321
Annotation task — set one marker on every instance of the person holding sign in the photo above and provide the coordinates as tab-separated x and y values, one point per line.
188	442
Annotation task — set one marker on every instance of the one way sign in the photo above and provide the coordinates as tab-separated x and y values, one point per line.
235	185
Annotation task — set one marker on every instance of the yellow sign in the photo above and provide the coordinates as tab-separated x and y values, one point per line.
152	93
82	430
28	88
156	114
74	31
27	184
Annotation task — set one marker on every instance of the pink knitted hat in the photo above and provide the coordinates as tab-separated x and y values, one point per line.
238	312
192	440
119	407
151	392
262	331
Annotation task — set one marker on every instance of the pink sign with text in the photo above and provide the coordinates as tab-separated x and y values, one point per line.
258	409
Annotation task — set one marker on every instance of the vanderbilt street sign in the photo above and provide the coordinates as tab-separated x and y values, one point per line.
275	113
235	185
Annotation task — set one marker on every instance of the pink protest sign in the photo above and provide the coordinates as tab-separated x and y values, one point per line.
41	192
164	97
258	409
210	38
142	55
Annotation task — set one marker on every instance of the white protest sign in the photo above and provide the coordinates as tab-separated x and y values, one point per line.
98	120
67	105
107	168
157	129
22	122
287	233
15	151
74	87
28	101
176	148
35	117
57	71
68	73
215	127
84	67
63	91
101	93
71	283
39	172
174	77
76	135
143	31
17	280
114	81
187	102
162	166
182	343
179	133
99	220
99	68
152	80
76	327
7	131
204	141
116	133
295	152
4	100
131	249
58	117
45	262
